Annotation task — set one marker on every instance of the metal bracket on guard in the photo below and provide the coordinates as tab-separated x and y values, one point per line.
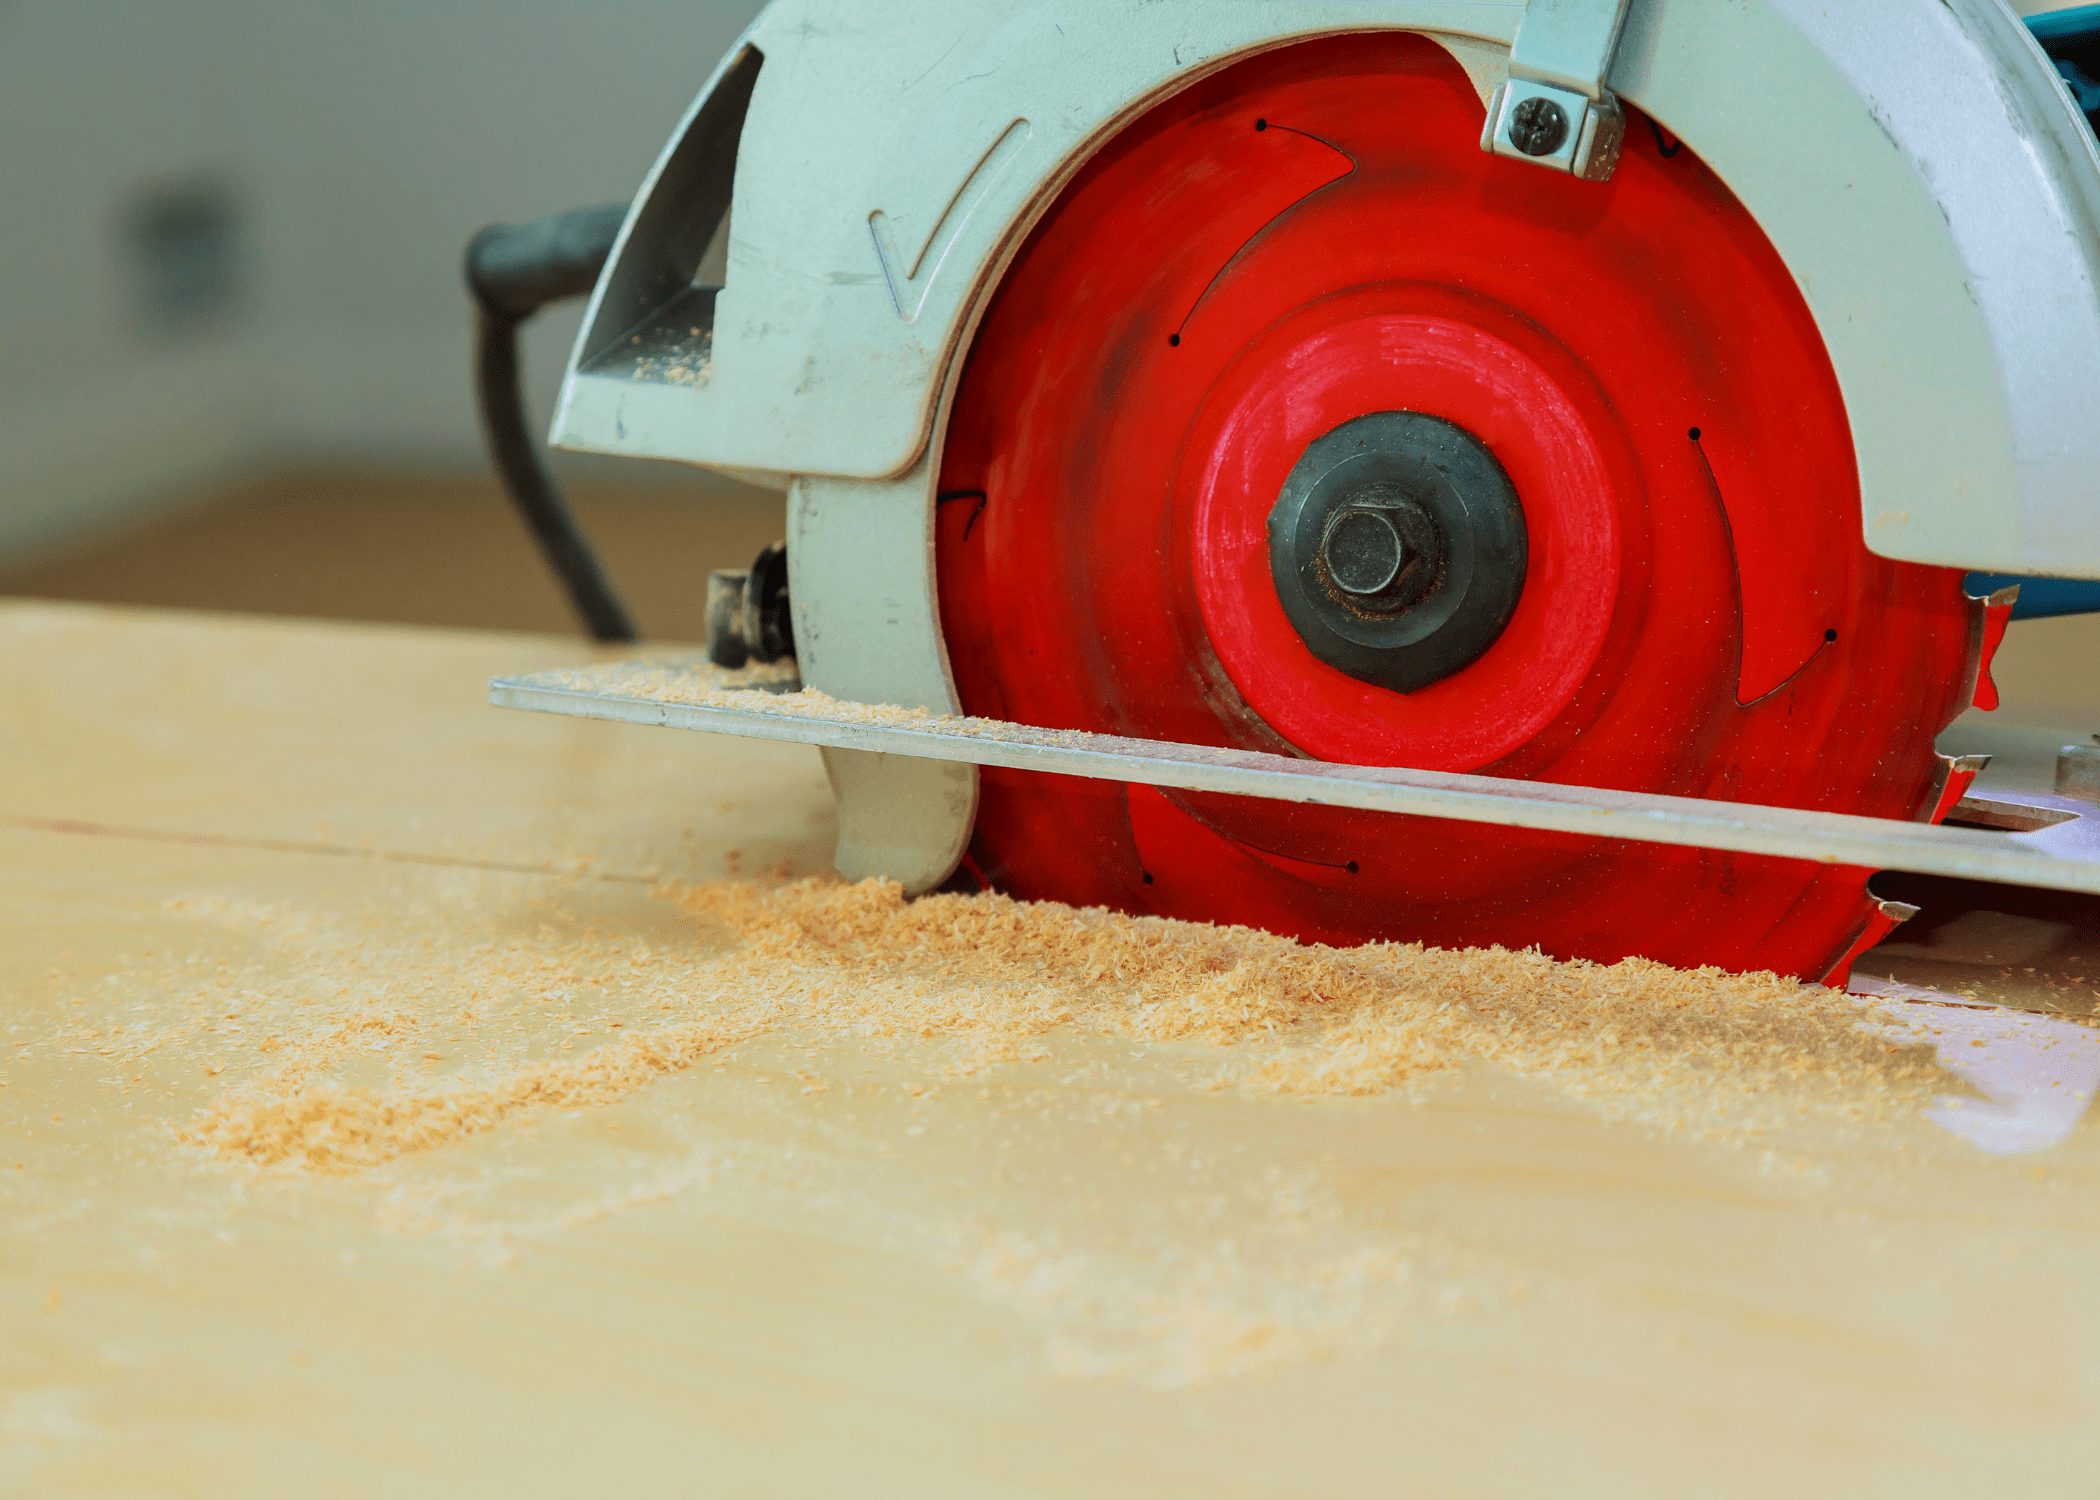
1555	110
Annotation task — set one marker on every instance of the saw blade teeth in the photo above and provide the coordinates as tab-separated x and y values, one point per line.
1957	774
1997	614
1882	918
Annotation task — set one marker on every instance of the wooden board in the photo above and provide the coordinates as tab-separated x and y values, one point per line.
835	1265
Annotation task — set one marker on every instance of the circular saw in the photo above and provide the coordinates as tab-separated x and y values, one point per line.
1589	408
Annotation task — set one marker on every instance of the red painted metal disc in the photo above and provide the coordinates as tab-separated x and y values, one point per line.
1313	235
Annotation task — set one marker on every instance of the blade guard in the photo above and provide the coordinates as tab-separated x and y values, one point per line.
882	179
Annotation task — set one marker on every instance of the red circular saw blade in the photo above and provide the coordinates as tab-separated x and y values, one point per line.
1312	235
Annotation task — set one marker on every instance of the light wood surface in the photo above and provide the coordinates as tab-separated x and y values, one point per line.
1069	1276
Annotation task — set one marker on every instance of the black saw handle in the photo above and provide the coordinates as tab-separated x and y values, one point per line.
513	272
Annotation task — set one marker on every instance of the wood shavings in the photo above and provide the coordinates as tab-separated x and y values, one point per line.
755	689
677	369
329	1070
1189	1325
330	1128
1706	1051
679	679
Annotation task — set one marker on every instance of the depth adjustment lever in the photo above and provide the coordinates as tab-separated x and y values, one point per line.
748	615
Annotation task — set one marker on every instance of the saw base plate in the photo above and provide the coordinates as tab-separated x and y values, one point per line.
2032	839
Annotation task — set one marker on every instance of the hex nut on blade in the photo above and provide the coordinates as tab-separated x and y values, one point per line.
1398	548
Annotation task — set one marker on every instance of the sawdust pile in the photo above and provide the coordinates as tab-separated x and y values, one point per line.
683	678
1317	1020
328	1127
1201	1320
377	1051
695	368
758	689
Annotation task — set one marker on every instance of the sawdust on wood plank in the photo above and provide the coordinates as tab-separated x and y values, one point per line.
343	1067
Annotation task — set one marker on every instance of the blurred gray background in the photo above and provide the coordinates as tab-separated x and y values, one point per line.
235	347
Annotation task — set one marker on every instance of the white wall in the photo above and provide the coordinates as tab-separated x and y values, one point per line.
368	141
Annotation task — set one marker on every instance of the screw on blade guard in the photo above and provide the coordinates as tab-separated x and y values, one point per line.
1538	126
